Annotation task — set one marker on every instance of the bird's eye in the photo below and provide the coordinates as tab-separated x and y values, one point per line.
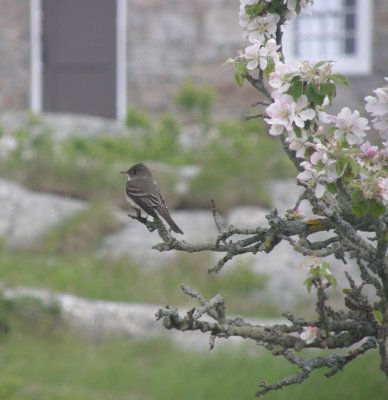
134	172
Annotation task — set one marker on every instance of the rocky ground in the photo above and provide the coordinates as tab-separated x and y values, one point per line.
26	215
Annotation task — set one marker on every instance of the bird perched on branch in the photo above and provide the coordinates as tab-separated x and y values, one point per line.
143	193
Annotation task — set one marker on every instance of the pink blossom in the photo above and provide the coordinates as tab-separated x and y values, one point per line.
310	334
350	125
281	112
368	150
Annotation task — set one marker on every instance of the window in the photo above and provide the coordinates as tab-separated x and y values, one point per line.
338	30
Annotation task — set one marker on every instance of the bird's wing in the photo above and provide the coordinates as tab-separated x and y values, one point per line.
146	201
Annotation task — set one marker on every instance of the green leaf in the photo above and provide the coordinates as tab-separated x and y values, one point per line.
296	87
240	72
339	167
270	68
358	209
353	165
342	79
331	279
378	315
376	209
332	90
308	283
320	63
363	207
313	94
239	78
254	10
332	187
328	89
275	6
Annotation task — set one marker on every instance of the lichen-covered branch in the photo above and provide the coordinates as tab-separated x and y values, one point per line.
254	240
281	339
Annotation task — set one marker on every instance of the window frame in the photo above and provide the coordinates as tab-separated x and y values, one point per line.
357	64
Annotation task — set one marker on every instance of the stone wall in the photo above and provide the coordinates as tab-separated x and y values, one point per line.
168	41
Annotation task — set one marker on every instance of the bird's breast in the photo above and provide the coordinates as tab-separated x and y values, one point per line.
130	201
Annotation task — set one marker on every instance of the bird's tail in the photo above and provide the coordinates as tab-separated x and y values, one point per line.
163	212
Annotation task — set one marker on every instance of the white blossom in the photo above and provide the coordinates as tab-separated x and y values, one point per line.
311	176
262	28
281	77
252	55
302	113
378	108
257	55
299	144
382	190
378	105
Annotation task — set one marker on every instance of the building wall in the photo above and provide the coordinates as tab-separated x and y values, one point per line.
14	54
168	41
380	44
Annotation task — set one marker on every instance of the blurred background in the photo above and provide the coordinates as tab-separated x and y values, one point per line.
89	88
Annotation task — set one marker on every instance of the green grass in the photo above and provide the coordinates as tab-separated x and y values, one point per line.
65	260
237	165
42	359
82	233
236	158
96	278
62	367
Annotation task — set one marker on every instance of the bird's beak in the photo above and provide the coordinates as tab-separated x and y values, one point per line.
123	172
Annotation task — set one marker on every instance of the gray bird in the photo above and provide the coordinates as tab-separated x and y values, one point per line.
143	193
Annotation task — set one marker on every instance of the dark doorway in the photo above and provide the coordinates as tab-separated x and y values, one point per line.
79	56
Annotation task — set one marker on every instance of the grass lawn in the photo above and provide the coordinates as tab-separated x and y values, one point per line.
60	367
95	278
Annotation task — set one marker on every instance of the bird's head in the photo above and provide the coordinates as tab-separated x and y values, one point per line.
138	171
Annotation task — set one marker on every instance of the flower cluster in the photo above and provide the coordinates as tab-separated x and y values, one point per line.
284	113
259	21
259	55
333	147
328	147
